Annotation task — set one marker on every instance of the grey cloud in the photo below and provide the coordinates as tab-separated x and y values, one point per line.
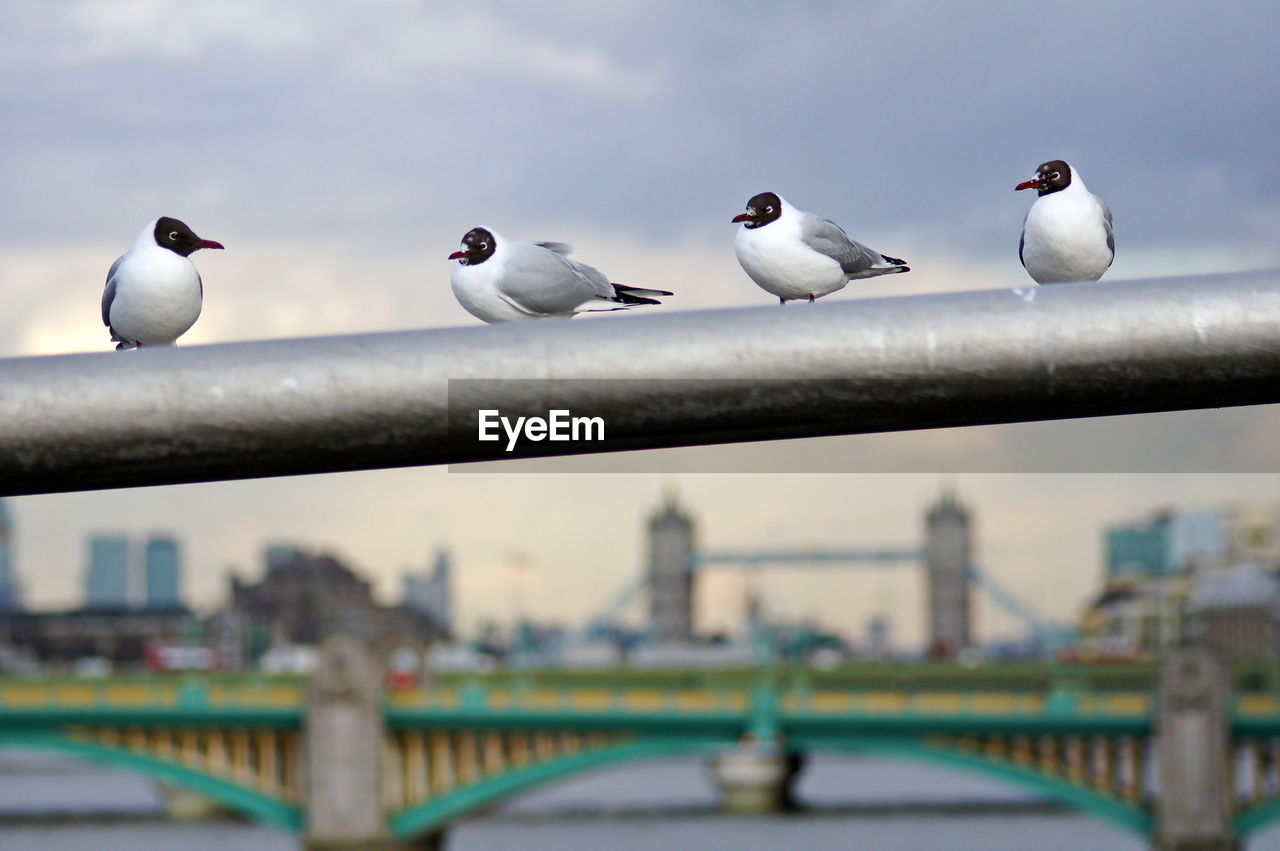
883	115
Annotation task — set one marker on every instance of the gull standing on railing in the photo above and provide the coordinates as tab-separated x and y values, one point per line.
1067	234
154	293
797	255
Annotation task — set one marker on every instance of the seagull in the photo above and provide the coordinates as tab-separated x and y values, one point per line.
1067	234
154	292
501	280
796	255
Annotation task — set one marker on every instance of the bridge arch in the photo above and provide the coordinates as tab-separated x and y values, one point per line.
1131	817
1259	817
256	805
433	814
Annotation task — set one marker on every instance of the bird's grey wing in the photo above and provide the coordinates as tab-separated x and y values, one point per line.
540	281
200	284
1111	235
600	284
109	294
1022	243
826	237
562	248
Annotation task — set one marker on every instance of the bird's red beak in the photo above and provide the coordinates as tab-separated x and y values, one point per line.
1027	184
742	217
208	243
457	255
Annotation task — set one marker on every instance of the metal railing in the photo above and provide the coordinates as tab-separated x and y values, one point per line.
283	407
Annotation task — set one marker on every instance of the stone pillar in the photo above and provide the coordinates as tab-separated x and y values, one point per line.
755	780
343	753
1195	803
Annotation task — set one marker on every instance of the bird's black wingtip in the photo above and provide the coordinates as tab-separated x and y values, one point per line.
638	295
895	261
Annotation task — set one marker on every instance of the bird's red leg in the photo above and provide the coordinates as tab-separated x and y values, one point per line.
810	298
781	300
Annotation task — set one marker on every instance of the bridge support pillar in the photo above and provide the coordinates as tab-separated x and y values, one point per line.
755	780
431	842
1195	805
344	753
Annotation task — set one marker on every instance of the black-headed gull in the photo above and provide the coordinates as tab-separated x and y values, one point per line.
797	255
1067	235
501	280
154	293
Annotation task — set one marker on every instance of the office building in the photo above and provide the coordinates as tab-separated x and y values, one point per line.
10	599
162	573
431	594
107	584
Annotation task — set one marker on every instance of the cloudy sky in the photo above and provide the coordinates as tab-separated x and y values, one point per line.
340	150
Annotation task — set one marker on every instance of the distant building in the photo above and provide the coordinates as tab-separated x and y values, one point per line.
431	594
1140	549
671	548
306	599
10	598
107	584
947	556
1253	534
1137	617
1235	610
1158	566
279	553
1199	539
120	635
876	644
1177	541
162	573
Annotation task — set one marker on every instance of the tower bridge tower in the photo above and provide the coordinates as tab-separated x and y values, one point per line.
671	548
947	556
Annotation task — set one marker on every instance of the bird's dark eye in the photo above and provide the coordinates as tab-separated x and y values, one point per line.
484	246
173	234
768	209
1055	175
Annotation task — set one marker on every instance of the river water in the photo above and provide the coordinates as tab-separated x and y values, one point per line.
51	804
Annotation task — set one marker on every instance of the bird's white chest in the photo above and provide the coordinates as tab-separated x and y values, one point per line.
1065	239
476	289
778	261
157	297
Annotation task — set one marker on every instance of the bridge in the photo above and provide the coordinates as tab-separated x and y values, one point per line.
345	764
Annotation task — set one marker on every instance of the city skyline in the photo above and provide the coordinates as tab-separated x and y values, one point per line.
1028	550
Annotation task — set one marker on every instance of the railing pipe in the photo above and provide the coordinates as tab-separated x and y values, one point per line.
283	407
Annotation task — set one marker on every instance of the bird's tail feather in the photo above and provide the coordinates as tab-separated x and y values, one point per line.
597	305
638	295
877	271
